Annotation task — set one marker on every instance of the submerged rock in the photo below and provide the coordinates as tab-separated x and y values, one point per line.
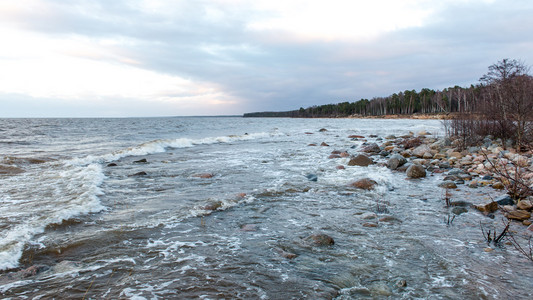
312	177
142	173
140	161
203	175
364	184
320	239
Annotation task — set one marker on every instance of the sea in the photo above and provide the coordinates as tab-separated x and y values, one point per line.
224	208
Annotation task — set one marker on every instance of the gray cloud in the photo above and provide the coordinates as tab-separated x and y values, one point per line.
272	71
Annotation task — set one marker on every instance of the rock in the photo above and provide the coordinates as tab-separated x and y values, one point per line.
364	184
368	216
140	161
10	170
384	153
32	271
332	156
396	161
390	219
142	173
356	136
340	167
527	222
416	171
285	254
487	177
421	150
448	184
320	239
427	155
360	160
497	186
525	204
390	137
344	154
444	165
112	165
371	148
459	210
457	155
370	225
519	215
312	177
203	175
322	130
487	208
213	206
323	144
249	227
456	172
460	203
504	200
312	145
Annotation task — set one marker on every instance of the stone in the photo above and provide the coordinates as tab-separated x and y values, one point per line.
286	254
323	144
396	161
448	184
421	150
459	210
213	206
364	184
427	155
142	173
141	161
416	171
344	154
519	215
312	177
112	165
368	216
332	156
360	160
312	145
456	172
390	137
525	204
353	136
10	170
457	155
487	208
504	200
340	167
527	222
322	130
203	175
370	224
390	219
320	239
460	203
497	186
371	148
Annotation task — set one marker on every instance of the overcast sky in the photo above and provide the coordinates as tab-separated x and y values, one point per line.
83	58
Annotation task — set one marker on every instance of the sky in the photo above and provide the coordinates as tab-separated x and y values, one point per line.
101	58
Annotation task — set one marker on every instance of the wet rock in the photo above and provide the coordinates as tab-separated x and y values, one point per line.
142	173
370	224
371	148
353	136
519	215
312	177
141	161
286	254
527	222
344	154
421	150
448	184
416	171
487	177
396	161
10	170
322	130
460	203
525	204
360	160
249	227
31	271
497	186
368	216
340	168
390	137
332	156
112	165
390	219
456	172
203	175
320	239
213	206
487	208
312	145
364	184
504	200
323	144
459	210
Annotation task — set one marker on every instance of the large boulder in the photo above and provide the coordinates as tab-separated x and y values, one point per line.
396	161
416	171
364	184
360	160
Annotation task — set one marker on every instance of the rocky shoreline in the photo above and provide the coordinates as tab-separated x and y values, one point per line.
420	154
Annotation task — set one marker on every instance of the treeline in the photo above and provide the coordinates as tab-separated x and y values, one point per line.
427	101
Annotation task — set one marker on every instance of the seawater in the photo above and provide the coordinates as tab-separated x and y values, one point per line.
113	208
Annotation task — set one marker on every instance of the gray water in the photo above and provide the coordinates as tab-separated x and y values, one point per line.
98	231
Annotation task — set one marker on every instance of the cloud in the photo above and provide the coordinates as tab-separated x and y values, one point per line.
241	56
